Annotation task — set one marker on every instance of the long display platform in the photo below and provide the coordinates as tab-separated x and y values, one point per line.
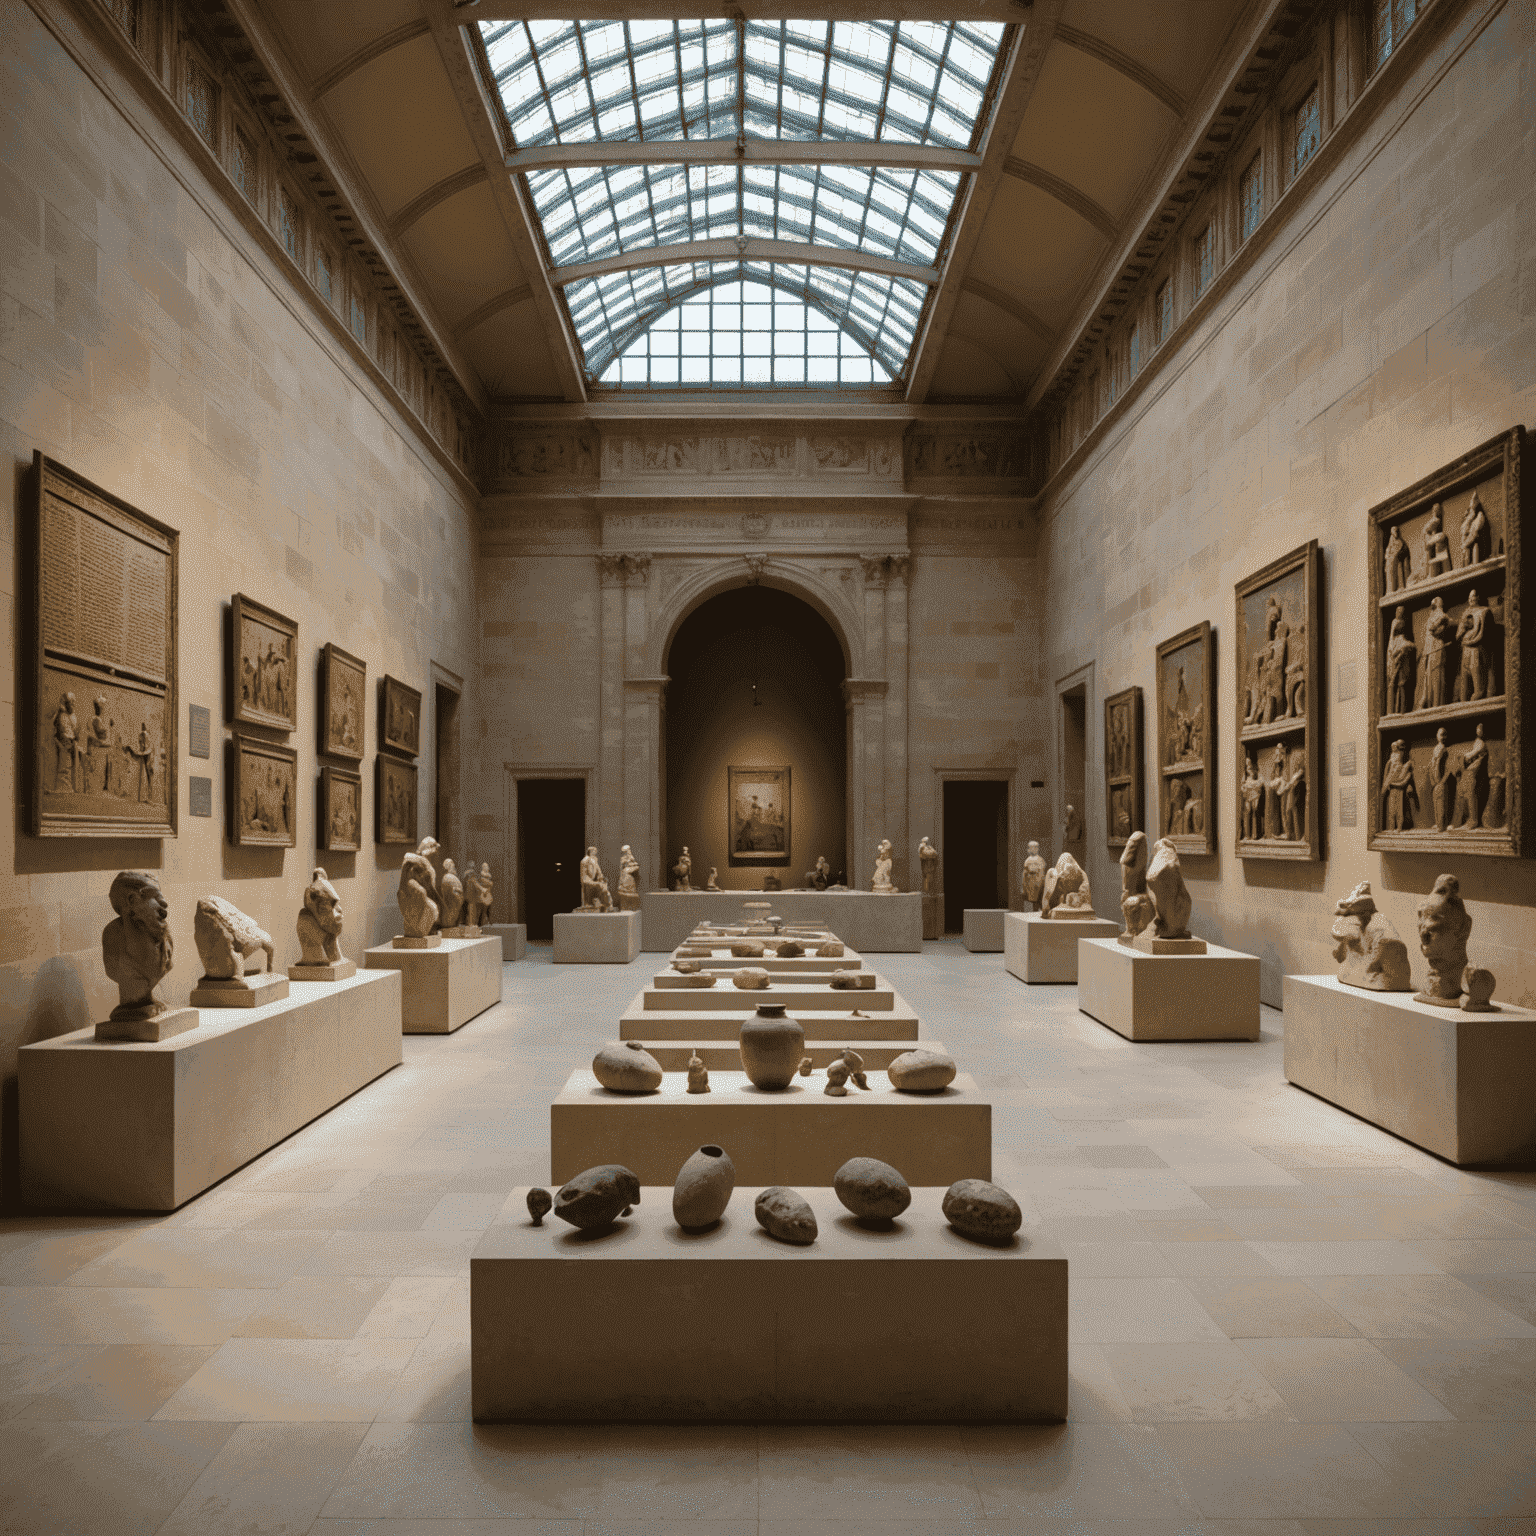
871	924
725	1055
1461	1085
912	1325
799	1135
1044	953
722	959
145	1126
638	1022
444	987
799	994
1214	996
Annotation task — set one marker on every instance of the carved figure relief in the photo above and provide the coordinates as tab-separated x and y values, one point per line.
264	662
341	810
400	717
344	688
395	801
1122	766
263	793
1186	700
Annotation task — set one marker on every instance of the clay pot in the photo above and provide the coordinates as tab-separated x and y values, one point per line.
703	1188
921	1071
627	1067
786	1215
771	1047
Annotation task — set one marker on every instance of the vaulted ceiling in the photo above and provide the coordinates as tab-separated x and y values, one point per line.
1094	100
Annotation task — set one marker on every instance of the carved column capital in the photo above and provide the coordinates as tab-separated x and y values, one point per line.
637	568
874	570
756	565
900	568
882	570
623	570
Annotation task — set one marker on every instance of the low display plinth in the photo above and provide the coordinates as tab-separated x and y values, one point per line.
239	991
731	1325
1045	953
325	970
933	917
983	930
799	994
806	964
145	1127
1214	996
596	938
639	1022
444	987
513	936
725	1055
799	1135
868	923
165	1025
1460	1085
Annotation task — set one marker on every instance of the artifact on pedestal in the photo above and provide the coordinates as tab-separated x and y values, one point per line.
1135	905
1033	883
928	861
713	882
882	877
785	1214
597	1197
1445	925
1478	985
851	1059
832	949
1067	894
451	889
627	1067
416	898
703	1188
921	1071
805	1066
837	1079
1167	933
872	1190
771	1047
594	885
816	879
539	1203
225	939
1373	956
629	880
978	1209
680	872
136	953
771	882
478	893
751	978
746	949
698	1074
319	927
852	981
1072	825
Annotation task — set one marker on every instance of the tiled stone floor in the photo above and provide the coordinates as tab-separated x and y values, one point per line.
1284	1321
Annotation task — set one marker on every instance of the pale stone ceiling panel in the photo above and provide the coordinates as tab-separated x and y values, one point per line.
965	370
462	249
1011	344
320	34
1036	250
1175	39
510	354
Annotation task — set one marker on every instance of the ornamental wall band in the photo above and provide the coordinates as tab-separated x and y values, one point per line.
1448	748
103	710
1123	809
1186	743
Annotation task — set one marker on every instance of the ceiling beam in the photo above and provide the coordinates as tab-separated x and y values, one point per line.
1124	64
1030	45
438	192
366	55
448	24
477	317
737	248
1065	193
1011	306
468	12
922	157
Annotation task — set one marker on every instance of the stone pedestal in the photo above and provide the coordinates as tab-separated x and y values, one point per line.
163	1026
799	994
725	1055
868	923
1214	996
933	916
799	1135
916	1324
596	938
239	991
639	1022
1045	953
327	970
444	987
513	936
145	1127
1460	1085
984	929
711	958
416	941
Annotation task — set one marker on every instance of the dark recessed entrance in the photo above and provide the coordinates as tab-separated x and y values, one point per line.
975	847
551	838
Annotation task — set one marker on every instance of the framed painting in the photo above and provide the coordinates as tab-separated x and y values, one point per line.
343	681
99	727
1186	740
1279	709
341	810
264	663
263	792
1123	810
395	802
757	819
400	717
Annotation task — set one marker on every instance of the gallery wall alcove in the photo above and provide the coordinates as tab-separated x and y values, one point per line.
756	682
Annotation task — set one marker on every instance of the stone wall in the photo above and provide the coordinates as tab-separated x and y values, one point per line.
1385	327
147	344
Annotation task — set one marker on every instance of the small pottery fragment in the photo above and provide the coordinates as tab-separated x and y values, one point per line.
921	1071
853	981
872	1190
747	949
785	1214
978	1209
703	1188
627	1067
539	1203
751	978
831	950
805	1066
597	1197
771	1047
789	949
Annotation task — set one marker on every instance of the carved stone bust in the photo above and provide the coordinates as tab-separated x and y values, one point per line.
136	948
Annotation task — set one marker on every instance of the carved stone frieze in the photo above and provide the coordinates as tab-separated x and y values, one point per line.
977	454
544	455
756	565
623	570
756	525
886	570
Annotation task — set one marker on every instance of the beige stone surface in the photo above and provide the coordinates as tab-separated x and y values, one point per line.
513	936
1045	953
239	991
444	987
596	938
639	1022
744	1303
865	922
1461	1084
718	957
725	1056
1214	996
800	994
983	932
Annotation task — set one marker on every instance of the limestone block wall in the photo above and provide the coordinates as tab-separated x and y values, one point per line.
147	344
1385	327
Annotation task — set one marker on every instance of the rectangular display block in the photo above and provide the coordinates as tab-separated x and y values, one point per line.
799	1135
239	991
721	959
513	936
1460	1085
1214	996
145	1127
983	930
596	938
641	1023
933	917
736	1326
1045	953
871	924
725	1055
798	994
444	987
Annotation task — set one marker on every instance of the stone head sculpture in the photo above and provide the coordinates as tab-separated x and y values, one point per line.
1444	928
136	948
320	922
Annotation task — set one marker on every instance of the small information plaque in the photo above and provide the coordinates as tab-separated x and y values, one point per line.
1348	816
200	795
1346	760
1348	683
197	732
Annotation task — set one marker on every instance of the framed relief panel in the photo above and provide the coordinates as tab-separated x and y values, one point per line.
758	815
1279	710
263	787
341	810
1449	753
395	802
400	717
265	666
343	684
1123	811
102	714
1186	746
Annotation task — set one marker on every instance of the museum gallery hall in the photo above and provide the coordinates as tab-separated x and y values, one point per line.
769	768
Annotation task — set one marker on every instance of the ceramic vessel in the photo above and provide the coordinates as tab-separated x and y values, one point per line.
703	1188
771	1047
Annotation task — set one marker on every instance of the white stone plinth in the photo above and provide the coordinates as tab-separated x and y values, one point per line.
596	938
639	1022
1044	953
1460	1085
513	936
733	1326
164	1025
445	987
145	1127
983	930
721	959
868	923
799	994
725	1055
325	970
239	991
1214	996
799	1135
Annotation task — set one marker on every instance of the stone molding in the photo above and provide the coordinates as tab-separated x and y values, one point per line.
629	570
881	571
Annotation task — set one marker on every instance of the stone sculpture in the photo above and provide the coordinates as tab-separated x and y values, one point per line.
770	883
698	1074
1072	825
746	949
1437	550
1474	634
136	953
539	1203
319	926
417	898
1171	905
882	877
837	1079
1435	679
1441	784
627	1067
872	1190
1373	956
851	1059
597	1197
785	1214
1067	894
703	1189
771	1046
478	906
1399	797
789	949
1402	664
1478	985
1399	563
852	981
1033	883
713	883
1475	532
1293	801
629	880
831	949
450	908
928	862
805	1066
1444	928
594	885
816	879
226	937
921	1071
977	1209
751	978
1135	904
1472	783
680	872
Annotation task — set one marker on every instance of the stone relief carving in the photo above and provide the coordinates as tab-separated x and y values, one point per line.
883	570
756	565
623	570
523	454
968	455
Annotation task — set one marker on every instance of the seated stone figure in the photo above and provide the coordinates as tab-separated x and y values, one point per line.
1168	931
1066	894
320	922
594	885
1135	904
1373	955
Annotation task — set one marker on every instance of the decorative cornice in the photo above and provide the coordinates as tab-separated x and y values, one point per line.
756	565
881	571
623	570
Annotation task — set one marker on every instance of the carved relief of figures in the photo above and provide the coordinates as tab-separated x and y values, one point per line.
528	455
1474	533
1440	785
1472	784
969	455
1439	632
840	452
1123	766
263	788
1398	793
343	691
1437	550
1399	563
264	664
1474	636
1186	695
1402	660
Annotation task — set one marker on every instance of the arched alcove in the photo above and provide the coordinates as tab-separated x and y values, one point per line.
756	682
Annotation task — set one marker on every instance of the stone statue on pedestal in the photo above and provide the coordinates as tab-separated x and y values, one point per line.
479	895
629	886
1444	928
451	907
1366	942
681	871
713	882
1168	931
320	922
1067	893
1135	905
882	878
594	885
136	947
417	898
1033	882
928	862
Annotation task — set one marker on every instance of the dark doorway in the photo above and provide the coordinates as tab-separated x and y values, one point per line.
1074	772
975	847
446	743
551	838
